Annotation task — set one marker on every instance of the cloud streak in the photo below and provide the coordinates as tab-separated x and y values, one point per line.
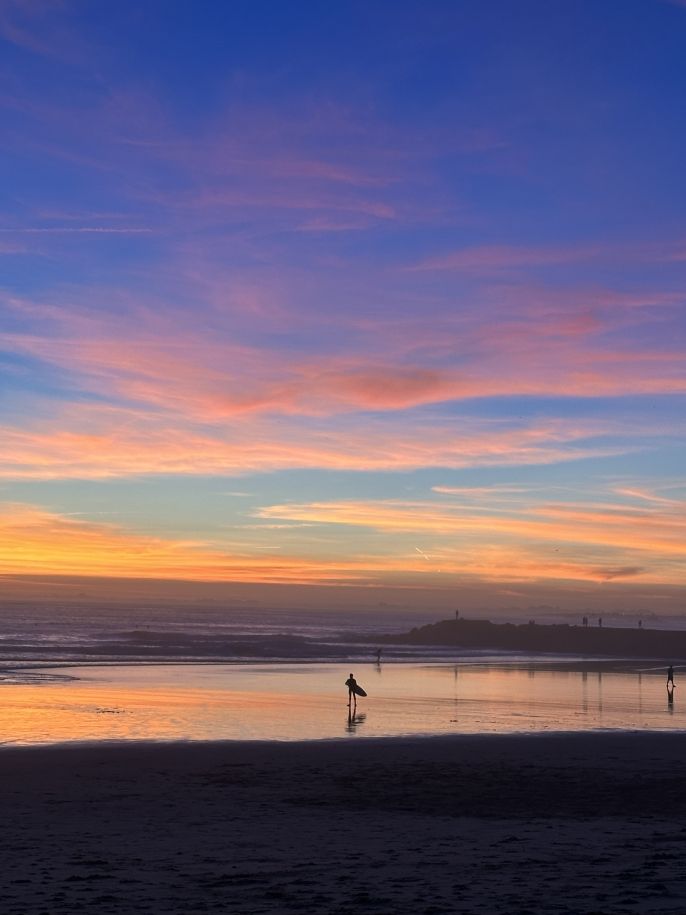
527	542
152	354
35	541
77	230
97	442
243	268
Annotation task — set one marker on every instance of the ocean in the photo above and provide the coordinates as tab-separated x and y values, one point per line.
203	632
160	673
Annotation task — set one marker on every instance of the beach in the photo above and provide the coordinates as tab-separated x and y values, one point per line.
308	701
565	823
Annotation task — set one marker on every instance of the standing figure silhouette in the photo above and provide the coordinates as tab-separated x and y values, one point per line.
354	690
351	683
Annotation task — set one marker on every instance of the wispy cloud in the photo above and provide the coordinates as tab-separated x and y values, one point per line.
157	355
99	442
549	523
497	489
41	27
521	542
11	248
262	274
34	541
644	495
491	259
77	230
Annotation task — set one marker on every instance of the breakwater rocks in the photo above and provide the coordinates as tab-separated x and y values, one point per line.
559	638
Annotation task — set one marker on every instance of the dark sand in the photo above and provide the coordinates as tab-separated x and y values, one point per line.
568	823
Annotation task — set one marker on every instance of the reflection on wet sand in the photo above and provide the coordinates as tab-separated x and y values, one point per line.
354	720
303	701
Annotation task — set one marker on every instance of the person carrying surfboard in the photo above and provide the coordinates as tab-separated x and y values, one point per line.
354	689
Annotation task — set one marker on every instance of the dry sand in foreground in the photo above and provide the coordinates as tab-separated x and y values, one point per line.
565	824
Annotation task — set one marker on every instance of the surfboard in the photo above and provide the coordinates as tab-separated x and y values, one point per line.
357	689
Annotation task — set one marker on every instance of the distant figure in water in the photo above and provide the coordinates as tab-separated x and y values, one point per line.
378	655
670	675
354	689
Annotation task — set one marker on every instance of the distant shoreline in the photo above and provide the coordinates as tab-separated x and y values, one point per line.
555	638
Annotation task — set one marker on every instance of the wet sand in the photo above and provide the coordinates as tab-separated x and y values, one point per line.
582	823
300	702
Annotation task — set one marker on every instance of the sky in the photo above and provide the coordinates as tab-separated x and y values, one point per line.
362	301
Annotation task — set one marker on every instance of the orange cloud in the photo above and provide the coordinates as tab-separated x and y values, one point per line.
620	528
38	542
596	544
34	541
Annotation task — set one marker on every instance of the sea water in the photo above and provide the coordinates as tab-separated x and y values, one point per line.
201	673
128	632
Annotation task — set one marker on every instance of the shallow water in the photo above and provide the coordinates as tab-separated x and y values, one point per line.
309	701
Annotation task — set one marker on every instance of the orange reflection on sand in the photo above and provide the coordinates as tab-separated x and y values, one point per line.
309	701
83	711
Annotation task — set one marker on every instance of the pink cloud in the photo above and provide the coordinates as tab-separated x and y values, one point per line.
9	247
314	167
78	230
387	387
488	258
95	441
42	27
648	496
158	356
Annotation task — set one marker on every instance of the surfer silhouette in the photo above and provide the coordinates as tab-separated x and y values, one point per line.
670	675
354	689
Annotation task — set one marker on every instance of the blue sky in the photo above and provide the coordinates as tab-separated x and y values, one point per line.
303	296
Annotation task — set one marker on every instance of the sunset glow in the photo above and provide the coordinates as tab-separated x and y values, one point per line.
347	298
